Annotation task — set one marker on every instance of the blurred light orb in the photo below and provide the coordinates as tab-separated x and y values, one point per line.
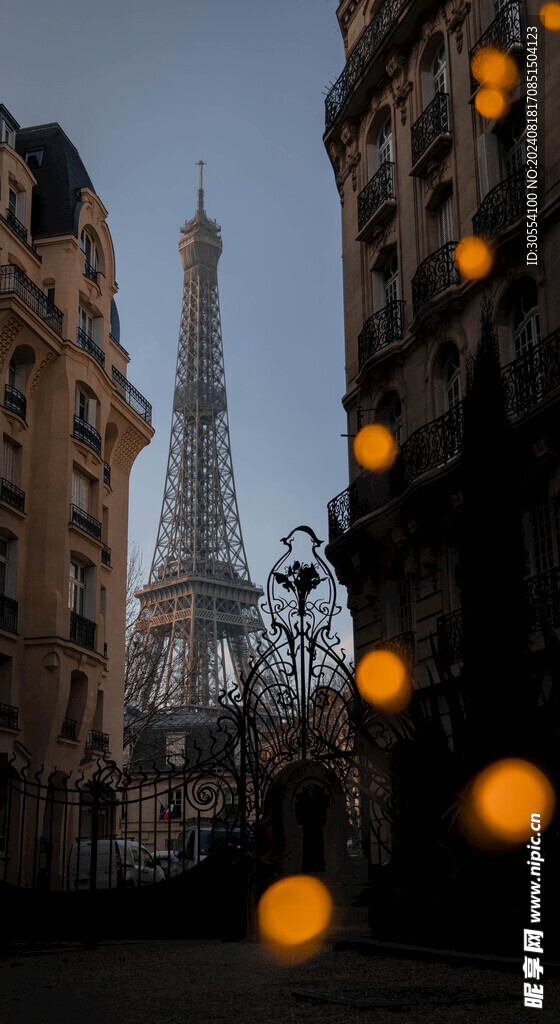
491	103
474	258
550	16
375	448
493	68
294	911
383	680
505	795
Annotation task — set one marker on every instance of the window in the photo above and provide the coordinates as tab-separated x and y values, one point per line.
10	452
545	538
439	71
452	380
12	201
77	588
446	227
385	144
175	749
8	559
391	280
16	204
81	490
85	322
406	609
85	407
87	245
391	416
515	145
525	319
8	134
34	157
3	564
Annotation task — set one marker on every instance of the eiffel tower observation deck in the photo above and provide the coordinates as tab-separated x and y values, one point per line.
199	611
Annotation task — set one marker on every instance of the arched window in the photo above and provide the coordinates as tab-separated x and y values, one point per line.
89	249
525	318
452	379
385	144
439	71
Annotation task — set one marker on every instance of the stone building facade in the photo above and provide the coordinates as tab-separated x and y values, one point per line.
72	426
417	169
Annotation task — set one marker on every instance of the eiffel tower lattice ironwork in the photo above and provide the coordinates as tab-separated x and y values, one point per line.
199	610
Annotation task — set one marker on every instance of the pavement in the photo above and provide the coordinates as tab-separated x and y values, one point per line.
242	983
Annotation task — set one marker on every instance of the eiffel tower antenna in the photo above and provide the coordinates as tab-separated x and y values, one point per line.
199	610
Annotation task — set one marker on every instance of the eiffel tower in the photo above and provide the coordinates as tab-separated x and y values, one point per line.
199	610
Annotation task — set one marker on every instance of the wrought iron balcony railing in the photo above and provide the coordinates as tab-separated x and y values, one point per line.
502	206
90	271
379	189
9	716
504	33
8	613
84	431
12	279
450	637
543	591
97	740
360	57
16	225
131	396
434	275
82	631
106	555
432	123
432	446
402	644
12	495
107	474
84	341
380	330
82	519
15	400
68	730
533	376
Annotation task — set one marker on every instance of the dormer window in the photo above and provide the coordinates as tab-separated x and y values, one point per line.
34	157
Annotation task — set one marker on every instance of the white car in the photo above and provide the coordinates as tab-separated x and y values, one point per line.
169	863
119	863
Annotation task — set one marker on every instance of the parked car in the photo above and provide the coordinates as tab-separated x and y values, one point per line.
119	863
193	844
169	863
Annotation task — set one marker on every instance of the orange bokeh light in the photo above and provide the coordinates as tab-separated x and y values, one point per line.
550	16
491	103
474	257
383	680
375	448
493	68
502	799
294	912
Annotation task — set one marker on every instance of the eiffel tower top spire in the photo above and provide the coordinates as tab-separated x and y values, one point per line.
201	209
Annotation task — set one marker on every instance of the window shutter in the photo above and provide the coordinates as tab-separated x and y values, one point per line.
488	157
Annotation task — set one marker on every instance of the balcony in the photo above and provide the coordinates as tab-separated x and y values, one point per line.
402	645
132	397
380	330
84	341
12	495
377	201
82	631
106	555
434	275
502	206
15	400
16	225
430	135
504	33
97	741
360	58
85	522
84	431
12	279
8	613
450	637
90	271
69	728
107	474
8	716
533	376
432	446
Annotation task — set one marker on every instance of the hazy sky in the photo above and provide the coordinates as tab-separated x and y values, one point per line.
144	91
